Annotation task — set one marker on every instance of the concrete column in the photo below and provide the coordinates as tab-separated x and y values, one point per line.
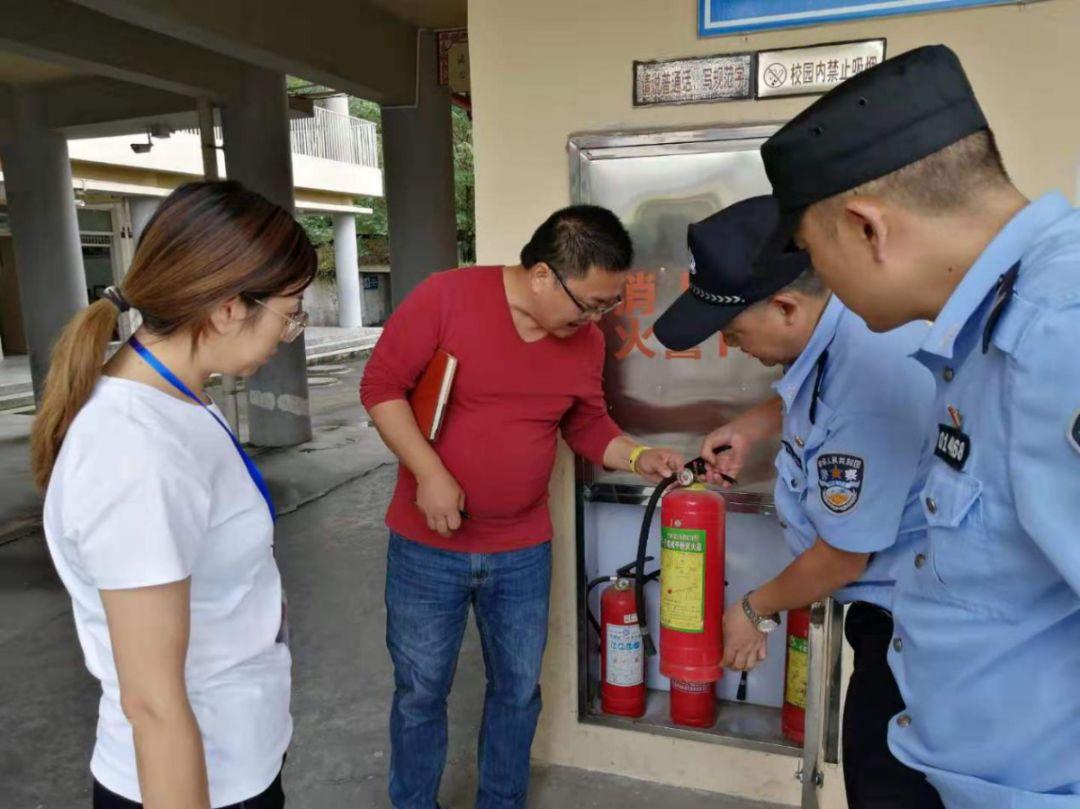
44	230
350	311
139	212
258	154
337	103
346	264
418	160
142	208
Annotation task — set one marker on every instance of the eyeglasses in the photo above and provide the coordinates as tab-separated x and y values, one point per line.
294	324
588	311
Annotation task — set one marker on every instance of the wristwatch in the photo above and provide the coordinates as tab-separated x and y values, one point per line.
762	623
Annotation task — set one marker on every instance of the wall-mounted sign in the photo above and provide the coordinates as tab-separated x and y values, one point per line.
457	59
719	17
816	69
446	40
694	80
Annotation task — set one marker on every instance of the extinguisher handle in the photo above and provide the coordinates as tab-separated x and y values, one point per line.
698	465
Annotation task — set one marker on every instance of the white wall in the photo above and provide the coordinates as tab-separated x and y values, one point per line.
181	154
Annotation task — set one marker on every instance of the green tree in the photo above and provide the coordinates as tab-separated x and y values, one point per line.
464	185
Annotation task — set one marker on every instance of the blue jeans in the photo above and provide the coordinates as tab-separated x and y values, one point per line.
428	593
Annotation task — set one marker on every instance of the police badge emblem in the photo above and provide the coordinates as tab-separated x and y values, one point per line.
840	478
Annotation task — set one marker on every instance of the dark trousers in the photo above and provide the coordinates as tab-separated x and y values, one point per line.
272	798
873	777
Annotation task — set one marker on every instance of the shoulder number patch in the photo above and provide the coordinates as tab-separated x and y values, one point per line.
840	478
1073	432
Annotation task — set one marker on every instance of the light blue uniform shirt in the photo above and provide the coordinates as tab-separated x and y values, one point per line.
850	474
987	647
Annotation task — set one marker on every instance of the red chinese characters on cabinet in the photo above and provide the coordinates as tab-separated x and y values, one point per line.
636	314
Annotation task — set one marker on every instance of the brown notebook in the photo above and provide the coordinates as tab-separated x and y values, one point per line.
432	393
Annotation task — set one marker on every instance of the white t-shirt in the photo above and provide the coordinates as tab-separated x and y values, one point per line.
149	489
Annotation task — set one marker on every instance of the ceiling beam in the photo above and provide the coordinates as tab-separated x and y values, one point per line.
351	45
94	100
86	41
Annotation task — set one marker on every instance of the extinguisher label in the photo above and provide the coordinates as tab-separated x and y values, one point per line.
682	579
623	655
798	667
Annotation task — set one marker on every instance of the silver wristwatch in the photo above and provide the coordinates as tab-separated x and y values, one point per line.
763	623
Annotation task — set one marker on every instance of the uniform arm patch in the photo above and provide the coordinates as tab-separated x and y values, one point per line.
1073	433
840	479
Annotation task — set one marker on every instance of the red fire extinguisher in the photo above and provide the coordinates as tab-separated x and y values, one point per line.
692	592
622	658
692	601
793	712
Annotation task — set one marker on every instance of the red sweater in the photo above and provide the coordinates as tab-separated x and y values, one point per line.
509	398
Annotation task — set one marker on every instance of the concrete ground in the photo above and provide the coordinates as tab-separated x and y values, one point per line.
331	549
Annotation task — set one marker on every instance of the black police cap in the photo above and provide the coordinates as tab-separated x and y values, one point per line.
881	120
723	282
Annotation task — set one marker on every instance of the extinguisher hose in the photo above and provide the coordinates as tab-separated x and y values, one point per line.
588	610
643	543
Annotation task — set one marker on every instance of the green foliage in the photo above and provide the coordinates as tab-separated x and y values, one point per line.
320	229
464	185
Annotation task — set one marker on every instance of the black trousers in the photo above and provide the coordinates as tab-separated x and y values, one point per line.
873	777
272	798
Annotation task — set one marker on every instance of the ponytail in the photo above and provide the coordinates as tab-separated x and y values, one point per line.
75	369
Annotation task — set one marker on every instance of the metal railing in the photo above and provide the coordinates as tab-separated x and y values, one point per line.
330	136
333	136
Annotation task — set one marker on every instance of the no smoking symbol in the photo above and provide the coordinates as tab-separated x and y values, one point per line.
775	75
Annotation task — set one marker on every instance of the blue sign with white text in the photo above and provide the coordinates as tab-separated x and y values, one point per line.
719	17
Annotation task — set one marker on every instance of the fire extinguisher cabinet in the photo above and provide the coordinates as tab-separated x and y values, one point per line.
657	183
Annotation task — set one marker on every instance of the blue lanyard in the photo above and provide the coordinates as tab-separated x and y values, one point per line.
175	381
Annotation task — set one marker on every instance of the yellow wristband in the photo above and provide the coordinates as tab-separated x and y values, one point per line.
636	453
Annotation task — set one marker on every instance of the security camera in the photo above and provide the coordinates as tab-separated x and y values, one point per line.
143	148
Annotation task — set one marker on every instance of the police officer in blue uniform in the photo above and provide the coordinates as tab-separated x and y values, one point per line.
853	411
894	184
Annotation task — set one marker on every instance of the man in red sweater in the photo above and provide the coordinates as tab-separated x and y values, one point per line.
530	365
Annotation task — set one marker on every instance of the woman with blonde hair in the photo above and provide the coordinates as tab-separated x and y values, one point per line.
159	524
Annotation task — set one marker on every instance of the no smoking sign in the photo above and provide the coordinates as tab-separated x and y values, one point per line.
775	75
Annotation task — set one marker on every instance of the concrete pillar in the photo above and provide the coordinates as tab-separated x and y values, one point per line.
258	154
418	160
44	230
350	311
346	263
337	103
142	208
139	212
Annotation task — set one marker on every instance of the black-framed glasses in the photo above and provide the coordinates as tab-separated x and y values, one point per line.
588	311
